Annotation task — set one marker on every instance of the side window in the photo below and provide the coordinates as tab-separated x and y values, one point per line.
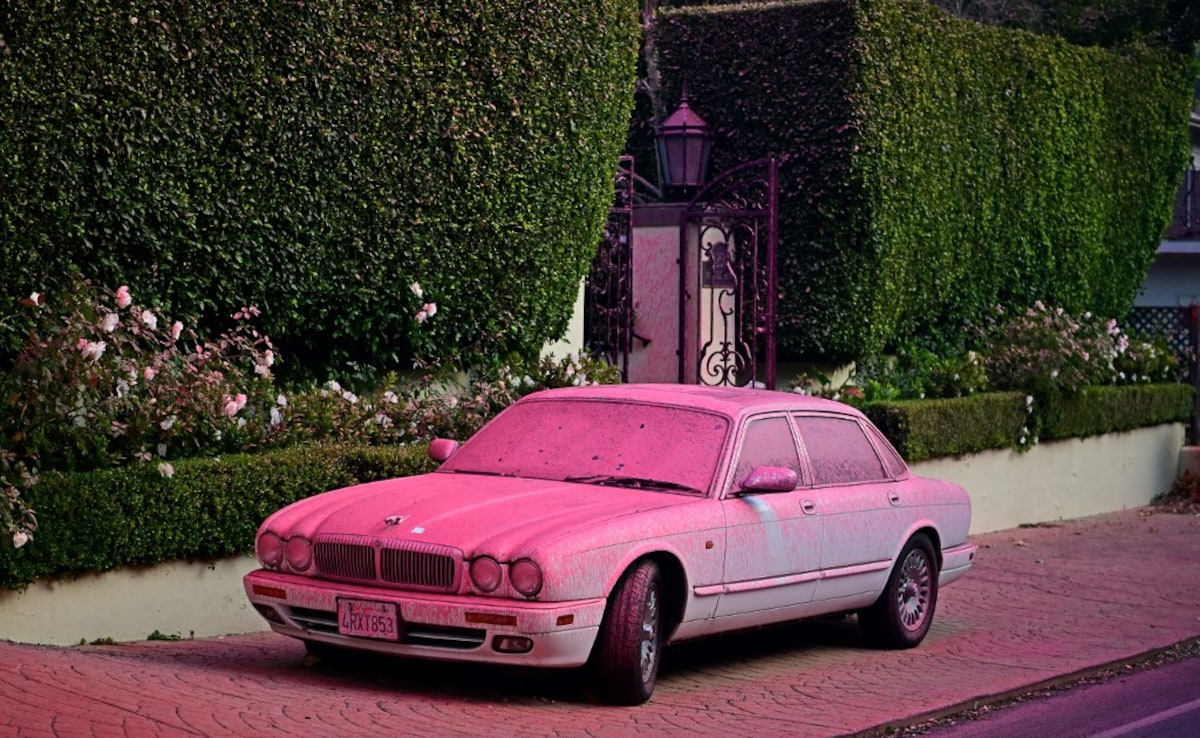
767	442
896	467
839	451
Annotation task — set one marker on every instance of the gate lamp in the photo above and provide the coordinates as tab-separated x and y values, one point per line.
683	142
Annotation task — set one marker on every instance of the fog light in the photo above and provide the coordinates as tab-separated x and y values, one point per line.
512	644
269	613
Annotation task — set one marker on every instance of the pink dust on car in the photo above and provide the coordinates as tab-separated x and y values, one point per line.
590	527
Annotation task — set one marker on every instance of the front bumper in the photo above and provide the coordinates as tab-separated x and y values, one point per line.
433	626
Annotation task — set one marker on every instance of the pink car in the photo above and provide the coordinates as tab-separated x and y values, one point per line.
592	526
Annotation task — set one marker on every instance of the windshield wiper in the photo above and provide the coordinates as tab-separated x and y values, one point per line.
613	480
479	472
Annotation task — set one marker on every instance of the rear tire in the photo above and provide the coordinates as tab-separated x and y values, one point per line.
901	616
629	647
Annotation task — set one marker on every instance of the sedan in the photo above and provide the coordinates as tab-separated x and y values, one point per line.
591	526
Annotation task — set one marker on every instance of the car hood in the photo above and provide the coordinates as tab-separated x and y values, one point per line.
472	512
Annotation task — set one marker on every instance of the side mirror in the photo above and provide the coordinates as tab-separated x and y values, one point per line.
442	448
771	479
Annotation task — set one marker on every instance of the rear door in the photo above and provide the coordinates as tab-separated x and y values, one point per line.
858	501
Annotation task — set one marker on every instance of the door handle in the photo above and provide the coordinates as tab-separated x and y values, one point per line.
893	497
808	506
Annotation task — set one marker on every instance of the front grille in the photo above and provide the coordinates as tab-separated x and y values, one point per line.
400	564
418	568
345	560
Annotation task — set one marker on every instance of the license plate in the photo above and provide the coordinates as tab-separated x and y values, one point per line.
368	619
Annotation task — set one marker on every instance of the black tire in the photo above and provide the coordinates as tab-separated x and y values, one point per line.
629	647
901	616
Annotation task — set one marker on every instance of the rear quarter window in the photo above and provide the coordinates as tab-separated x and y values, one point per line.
839	451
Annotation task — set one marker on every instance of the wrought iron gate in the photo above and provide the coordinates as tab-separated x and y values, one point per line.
728	241
608	297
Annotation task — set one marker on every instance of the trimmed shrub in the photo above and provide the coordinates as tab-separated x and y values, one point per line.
209	508
318	160
1107	409
928	429
934	167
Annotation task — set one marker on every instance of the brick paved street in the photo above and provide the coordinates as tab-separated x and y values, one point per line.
1041	603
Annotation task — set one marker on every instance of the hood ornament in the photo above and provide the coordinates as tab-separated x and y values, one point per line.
394	520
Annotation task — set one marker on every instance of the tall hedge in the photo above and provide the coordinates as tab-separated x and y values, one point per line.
934	167
316	158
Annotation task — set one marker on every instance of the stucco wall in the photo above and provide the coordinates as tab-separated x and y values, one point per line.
1053	481
178	599
1064	479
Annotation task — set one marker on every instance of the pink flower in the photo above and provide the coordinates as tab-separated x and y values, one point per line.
149	320
166	470
427	311
109	324
241	401
416	289
123	297
269	358
230	407
20	538
246	313
149	372
93	350
176	329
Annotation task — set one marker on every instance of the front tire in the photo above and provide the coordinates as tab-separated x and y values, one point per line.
629	648
901	616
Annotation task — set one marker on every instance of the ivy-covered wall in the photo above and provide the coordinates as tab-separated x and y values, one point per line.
933	167
317	158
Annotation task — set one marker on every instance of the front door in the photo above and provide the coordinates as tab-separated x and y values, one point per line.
772	550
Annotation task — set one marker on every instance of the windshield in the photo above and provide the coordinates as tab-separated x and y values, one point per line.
599	442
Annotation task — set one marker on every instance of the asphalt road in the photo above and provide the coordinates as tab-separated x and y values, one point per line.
1156	699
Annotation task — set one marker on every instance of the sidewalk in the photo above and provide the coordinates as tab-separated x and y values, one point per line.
1041	603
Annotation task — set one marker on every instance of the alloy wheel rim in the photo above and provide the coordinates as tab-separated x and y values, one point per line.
649	647
912	590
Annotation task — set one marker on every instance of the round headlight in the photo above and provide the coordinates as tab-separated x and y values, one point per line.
270	549
486	574
526	577
298	553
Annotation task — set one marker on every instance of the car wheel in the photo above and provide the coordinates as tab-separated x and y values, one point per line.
630	641
901	616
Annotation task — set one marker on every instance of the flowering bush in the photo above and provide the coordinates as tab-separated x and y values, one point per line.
1049	350
1044	349
103	382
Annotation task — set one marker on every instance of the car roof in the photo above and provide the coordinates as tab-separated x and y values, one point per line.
734	402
